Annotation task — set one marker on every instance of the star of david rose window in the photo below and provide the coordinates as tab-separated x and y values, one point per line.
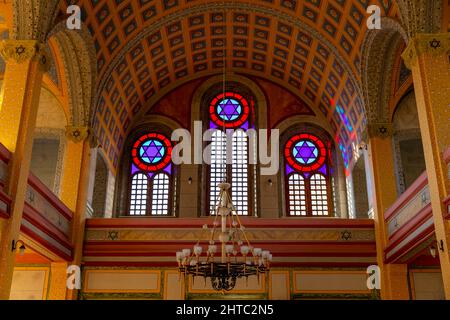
305	152
151	152
229	110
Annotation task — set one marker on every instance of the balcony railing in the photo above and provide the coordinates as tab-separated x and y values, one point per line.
45	218
409	220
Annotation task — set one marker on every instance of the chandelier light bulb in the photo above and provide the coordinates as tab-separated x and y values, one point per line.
212	248
197	250
244	250
229	248
265	254
186	252
257	252
179	256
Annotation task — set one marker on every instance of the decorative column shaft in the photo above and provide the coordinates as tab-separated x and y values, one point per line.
74	187
427	55
394	283
19	100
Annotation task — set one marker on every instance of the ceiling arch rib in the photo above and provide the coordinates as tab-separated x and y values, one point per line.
311	47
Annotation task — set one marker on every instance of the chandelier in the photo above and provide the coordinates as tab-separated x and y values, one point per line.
238	259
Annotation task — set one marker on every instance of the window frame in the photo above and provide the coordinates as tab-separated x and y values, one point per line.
172	176
307	182
252	179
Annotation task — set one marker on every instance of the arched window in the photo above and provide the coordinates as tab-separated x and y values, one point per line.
230	111
307	175
151	170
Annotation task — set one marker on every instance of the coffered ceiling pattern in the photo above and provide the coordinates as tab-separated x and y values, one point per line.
148	47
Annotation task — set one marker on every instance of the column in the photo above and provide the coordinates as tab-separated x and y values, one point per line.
19	100
427	55
74	187
394	282
58	279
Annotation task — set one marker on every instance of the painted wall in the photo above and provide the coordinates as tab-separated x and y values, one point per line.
281	284
44	160
427	285
30	283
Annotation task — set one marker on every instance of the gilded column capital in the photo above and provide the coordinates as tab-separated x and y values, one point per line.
21	51
380	130
426	43
77	134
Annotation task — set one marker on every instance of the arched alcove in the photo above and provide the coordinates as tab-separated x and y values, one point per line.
100	187
408	148
320	199
126	190
49	141
360	196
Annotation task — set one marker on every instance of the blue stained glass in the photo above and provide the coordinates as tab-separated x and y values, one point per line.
289	169
168	169
134	169
323	169
344	118
212	125
152	151
305	152
344	155
229	109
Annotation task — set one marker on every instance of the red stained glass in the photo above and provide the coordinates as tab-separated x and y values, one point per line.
305	152
229	110
151	152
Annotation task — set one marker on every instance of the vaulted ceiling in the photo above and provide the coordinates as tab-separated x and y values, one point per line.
147	47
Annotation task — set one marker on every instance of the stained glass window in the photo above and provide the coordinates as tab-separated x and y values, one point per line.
218	167
230	110
307	174
297	195
138	198
160	195
239	177
151	171
319	195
